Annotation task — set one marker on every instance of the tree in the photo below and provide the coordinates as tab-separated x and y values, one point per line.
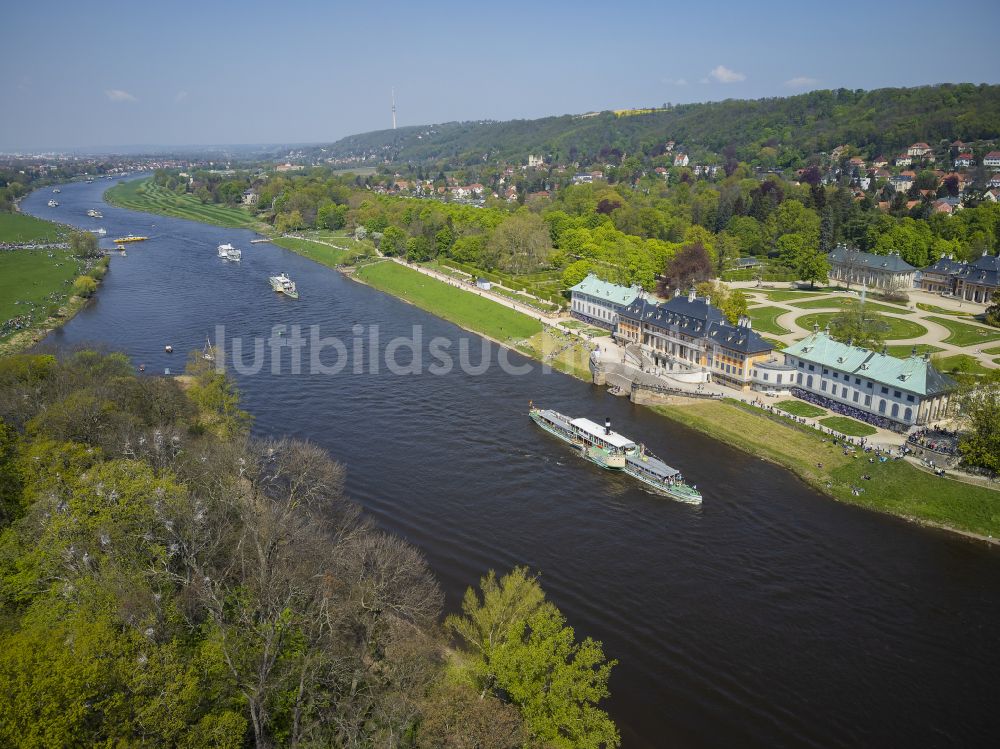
576	272
856	325
393	241
688	267
980	412
522	648
521	244
84	286
814	267
84	244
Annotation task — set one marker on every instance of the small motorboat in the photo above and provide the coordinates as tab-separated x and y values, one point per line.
168	348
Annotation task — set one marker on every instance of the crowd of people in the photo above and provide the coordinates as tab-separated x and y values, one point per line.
845	410
939	440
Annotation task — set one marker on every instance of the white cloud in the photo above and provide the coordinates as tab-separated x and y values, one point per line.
801	81
675	81
180	96
722	74
116	94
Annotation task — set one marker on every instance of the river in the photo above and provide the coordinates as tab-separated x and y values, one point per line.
770	616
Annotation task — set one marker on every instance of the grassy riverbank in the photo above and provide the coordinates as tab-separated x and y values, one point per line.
463	308
20	228
321	252
895	487
143	195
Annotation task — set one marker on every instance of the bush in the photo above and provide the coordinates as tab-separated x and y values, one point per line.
84	286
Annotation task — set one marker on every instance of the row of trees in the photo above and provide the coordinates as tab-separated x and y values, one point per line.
166	580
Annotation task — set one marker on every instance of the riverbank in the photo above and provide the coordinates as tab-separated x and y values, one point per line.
144	195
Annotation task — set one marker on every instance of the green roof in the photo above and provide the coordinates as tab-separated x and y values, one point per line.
595	287
913	374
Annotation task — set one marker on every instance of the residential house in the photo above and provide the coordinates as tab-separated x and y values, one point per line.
901	182
880	162
903	160
993	181
670	146
599	302
978	281
250	197
992	195
919	150
681	159
869	385
992	159
535	161
886	272
688	335
582	179
964	159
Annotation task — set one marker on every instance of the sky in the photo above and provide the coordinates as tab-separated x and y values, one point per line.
101	74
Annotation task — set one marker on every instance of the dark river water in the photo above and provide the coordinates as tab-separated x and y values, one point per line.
771	616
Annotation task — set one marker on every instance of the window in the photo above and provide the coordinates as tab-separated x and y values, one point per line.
798	378
868	400
822	385
856	394
809	382
885	391
843	392
895	410
802	365
827	371
857	380
881	405
812	368
909	398
907	414
896	394
869	385
835	375
765	376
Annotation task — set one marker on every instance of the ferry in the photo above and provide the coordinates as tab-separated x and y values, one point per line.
99	232
615	452
95	214
53	204
130	238
284	285
228	252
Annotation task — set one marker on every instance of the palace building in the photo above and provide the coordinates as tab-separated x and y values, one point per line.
973	282
886	272
598	302
688	334
869	385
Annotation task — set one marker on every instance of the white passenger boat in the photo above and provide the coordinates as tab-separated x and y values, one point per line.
615	452
284	285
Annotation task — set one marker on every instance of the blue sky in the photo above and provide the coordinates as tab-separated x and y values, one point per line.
116	73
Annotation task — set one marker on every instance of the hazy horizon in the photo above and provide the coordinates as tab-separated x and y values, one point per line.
115	75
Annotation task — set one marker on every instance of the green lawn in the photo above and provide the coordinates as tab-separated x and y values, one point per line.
961	363
992	350
31	281
942	310
848	426
844	301
899	328
784	295
143	195
800	408
19	228
463	308
321	253
895	487
765	320
903	350
963	334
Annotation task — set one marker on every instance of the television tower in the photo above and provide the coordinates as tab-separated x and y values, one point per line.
393	108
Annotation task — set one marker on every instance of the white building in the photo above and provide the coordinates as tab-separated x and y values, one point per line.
868	385
598	302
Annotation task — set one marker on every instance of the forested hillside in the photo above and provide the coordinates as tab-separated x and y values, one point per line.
878	121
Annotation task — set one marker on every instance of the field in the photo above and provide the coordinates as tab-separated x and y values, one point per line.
903	350
321	253
785	295
961	363
896	487
463	308
800	408
833	303
963	334
942	310
143	195
31	282
899	328
848	426
19	228
765	320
